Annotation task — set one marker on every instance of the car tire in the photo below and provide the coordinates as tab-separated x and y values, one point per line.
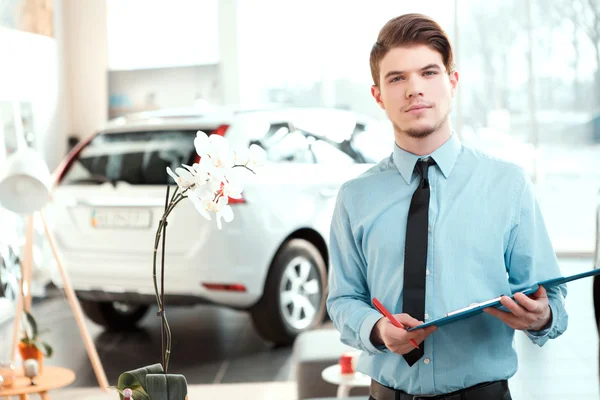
294	294
112	315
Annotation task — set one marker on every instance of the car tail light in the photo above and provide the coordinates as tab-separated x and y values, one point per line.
227	287
237	201
221	130
63	167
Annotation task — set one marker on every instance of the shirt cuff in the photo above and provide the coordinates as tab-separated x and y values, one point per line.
365	333
541	337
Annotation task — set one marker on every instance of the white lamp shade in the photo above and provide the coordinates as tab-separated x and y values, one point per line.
25	183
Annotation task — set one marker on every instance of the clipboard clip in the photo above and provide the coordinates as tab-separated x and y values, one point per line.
472	306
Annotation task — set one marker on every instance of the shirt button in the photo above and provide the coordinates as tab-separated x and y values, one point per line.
427	361
429	228
426	316
427	271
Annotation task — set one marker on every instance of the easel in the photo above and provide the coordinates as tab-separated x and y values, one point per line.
24	298
24	293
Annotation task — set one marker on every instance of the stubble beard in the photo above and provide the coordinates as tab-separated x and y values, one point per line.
419	133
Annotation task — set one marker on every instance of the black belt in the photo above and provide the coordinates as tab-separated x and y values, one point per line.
485	391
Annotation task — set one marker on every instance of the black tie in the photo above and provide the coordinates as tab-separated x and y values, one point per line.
415	253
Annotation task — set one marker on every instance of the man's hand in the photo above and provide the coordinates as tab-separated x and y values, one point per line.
397	339
531	314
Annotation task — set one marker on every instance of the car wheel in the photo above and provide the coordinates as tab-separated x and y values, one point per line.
294	295
115	316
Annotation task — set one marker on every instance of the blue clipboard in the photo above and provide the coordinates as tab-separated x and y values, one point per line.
477	308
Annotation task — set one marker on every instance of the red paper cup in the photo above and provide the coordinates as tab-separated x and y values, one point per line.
346	364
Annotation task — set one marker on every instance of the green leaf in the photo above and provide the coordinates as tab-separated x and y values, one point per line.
136	381
32	324
48	351
166	387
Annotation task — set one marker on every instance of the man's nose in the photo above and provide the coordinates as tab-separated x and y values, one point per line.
414	88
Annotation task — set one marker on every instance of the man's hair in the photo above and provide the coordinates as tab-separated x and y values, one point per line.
411	30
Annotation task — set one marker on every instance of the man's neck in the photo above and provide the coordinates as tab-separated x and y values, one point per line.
426	145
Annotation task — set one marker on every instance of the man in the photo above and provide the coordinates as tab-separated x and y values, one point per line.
432	229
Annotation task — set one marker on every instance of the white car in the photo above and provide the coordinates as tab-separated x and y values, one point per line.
271	260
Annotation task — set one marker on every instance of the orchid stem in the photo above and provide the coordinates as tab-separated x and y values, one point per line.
243	166
165	328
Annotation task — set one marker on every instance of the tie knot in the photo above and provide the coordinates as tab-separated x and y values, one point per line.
422	166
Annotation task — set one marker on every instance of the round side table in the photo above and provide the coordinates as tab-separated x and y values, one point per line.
345	382
51	378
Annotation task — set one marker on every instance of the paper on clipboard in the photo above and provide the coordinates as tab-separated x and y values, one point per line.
477	308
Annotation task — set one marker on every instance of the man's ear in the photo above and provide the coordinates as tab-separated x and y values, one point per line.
454	82
376	93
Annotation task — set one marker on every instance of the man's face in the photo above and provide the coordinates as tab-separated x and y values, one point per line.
415	89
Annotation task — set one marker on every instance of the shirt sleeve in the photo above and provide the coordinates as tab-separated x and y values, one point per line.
348	302
530	258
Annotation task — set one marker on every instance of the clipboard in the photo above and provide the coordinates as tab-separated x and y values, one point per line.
477	308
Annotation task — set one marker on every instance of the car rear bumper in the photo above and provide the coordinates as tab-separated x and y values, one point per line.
128	278
139	298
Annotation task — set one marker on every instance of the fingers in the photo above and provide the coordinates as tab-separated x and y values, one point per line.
540	293
515	308
525	322
398	340
421	334
407	320
506	317
528	303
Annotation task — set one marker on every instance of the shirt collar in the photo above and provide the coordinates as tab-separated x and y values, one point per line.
445	157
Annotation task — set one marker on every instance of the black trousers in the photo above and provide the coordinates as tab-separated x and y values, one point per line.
506	396
485	391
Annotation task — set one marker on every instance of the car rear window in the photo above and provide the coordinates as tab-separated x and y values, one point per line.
138	158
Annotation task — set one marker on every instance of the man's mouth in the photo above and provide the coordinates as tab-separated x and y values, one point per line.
418	107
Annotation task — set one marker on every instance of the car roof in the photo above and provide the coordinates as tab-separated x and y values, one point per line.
212	117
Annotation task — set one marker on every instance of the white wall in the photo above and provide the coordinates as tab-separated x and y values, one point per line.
138	84
85	59
162	34
29	73
229	66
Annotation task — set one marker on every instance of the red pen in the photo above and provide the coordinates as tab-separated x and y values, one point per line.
391	318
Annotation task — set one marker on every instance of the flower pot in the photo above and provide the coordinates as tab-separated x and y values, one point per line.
28	352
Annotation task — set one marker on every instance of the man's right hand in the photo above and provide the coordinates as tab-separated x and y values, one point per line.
397	339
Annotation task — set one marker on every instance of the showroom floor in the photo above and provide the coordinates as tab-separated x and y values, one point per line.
213	345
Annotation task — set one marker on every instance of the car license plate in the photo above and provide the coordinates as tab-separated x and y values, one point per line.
121	218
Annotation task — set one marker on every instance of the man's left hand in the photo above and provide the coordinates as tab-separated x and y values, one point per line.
531	314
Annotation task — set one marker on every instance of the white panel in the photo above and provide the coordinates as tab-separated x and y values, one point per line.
159	33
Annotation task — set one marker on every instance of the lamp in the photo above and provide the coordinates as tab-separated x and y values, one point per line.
25	188
26	183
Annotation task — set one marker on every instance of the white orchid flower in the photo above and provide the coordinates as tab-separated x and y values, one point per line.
184	178
258	156
207	205
222	156
199	205
202	143
233	186
218	161
255	156
224	211
214	179
209	190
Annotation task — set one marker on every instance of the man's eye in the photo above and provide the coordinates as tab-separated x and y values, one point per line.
430	73
396	79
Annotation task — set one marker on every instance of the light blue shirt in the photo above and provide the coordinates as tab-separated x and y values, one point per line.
486	238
